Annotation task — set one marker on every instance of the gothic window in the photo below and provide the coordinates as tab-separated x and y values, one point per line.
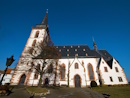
111	79
37	34
38	67
62	72
34	43
50	69
36	75
120	79
91	73
105	69
116	69
76	66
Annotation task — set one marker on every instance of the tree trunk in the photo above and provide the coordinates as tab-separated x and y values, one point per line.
41	74
40	81
55	74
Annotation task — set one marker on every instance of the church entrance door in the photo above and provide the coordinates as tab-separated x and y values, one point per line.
77	81
46	82
22	80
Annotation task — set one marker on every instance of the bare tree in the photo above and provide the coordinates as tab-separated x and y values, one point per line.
48	55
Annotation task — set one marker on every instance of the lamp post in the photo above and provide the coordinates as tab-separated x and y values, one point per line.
9	61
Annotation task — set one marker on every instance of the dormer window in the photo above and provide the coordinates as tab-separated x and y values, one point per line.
71	46
78	46
37	34
64	47
67	54
76	55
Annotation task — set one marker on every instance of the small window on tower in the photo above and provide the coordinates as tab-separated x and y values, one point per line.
34	43
37	34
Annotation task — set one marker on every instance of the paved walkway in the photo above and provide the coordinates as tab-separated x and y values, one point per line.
62	92
73	93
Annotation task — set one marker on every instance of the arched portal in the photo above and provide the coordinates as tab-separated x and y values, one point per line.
77	81
22	79
46	82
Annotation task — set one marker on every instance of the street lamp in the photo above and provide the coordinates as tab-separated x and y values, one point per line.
9	61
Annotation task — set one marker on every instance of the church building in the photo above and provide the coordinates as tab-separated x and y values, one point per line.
78	66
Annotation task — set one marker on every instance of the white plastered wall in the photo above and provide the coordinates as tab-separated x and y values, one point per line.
112	73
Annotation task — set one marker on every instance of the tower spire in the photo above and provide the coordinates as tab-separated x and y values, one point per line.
45	19
94	45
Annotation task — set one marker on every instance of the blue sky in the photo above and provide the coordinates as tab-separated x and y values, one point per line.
71	22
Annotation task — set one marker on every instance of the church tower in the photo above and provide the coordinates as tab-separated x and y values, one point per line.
39	33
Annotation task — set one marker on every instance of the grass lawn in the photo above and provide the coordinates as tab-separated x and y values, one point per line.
36	90
115	91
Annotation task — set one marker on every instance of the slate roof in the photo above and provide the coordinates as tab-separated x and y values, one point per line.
83	51
44	22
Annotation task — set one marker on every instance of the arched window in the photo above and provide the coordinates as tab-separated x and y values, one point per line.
36	75
76	66
37	34
62	72
90	71
34	43
38	67
50	69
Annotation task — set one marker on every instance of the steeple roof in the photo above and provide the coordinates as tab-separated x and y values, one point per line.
94	45
44	22
45	19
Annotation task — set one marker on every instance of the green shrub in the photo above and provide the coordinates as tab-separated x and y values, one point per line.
93	84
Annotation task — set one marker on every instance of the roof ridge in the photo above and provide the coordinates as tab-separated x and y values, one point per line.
72	45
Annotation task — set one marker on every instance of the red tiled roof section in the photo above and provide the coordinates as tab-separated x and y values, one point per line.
7	72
